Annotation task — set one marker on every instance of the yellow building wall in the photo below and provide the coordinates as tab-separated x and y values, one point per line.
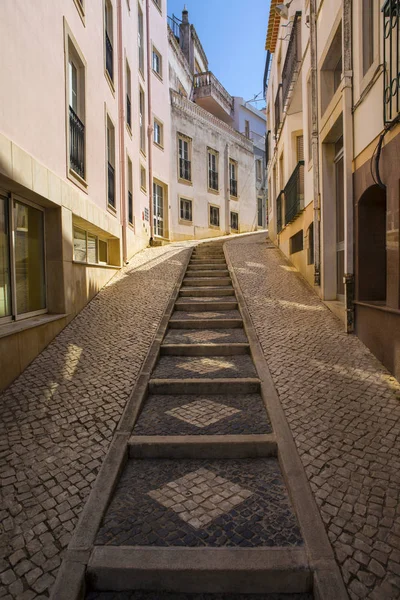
299	259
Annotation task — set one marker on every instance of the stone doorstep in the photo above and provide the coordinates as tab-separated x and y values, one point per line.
205	306
206	446
206	281
207	570
214	291
204	349
250	385
206	324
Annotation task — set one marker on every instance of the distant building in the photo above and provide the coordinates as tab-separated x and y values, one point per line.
253	124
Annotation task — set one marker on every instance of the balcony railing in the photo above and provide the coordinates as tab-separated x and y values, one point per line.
294	193
391	59
128	111
185	169
267	144
292	61
174	24
111	185
233	187
109	58
208	79
212	180
278	109
279	212
76	143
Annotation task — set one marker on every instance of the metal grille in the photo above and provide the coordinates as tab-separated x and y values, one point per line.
279	212
292	60
294	193
76	143
278	108
391	59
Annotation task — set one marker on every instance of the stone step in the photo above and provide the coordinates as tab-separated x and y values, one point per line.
195	367
205	281
204	255
204	349
205	266
205	446
204	386
205	336
210	298
161	595
190	306
205	319
206	272
207	291
204	261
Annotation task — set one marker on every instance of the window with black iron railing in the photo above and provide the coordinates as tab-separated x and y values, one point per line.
212	180
128	111
391	60
109	57
279	211
233	187
185	170
111	185
294	193
76	143
292	59
278	109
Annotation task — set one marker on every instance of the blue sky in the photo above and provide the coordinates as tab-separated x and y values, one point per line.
232	33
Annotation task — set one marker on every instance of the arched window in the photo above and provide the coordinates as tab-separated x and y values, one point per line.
371	245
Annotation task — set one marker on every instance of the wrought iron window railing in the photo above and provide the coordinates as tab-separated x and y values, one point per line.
111	185
128	111
294	193
391	59
212	179
76	143
292	60
185	169
109	58
278	109
233	187
279	211
174	24
267	144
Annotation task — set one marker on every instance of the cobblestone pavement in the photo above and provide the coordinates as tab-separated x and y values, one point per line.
172	596
205	336
201	503
204	367
58	417
344	412
195	415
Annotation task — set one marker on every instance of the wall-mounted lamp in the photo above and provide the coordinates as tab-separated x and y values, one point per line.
283	9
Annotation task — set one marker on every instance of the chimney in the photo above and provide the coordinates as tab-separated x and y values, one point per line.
185	39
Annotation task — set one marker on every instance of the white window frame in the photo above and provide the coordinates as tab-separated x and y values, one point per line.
143	178
99	239
156	54
158	124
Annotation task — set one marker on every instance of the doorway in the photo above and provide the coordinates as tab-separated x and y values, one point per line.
158	209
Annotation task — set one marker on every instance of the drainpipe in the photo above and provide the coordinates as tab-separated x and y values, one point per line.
121	126
150	125
315	143
348	146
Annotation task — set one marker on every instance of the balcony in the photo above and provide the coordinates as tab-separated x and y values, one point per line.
279	211
294	193
292	63
391	60
111	185
278	110
211	95
76	143
109	58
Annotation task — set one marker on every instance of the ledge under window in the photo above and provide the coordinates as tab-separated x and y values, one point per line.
18	326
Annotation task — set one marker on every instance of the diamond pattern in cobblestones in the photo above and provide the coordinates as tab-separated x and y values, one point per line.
181	315
202	413
58	418
265	518
205	336
193	367
344	412
158	416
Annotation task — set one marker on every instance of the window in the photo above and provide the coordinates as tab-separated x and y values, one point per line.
158	4
367	15
331	70
310	244
212	169
140	41
158	133
128	96
110	163
235	221
260	212
233	178
185	208
184	153
88	248
157	62
130	192
214	216
247	129
76	112
143	178
142	124
80	5
108	34
259	169
309	118
296	242
22	259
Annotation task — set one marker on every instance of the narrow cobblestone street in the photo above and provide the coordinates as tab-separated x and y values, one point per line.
342	406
